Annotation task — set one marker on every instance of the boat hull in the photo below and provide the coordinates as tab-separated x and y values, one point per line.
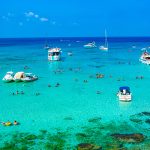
144	61
7	80
54	58
125	98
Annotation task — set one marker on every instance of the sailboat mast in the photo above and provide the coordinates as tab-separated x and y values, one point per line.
106	42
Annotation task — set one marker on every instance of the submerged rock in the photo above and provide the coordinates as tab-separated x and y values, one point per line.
129	138
146	113
87	146
136	120
96	119
147	121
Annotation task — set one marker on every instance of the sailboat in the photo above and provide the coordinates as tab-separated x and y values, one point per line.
105	47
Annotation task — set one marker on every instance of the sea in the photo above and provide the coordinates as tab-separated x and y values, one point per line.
83	109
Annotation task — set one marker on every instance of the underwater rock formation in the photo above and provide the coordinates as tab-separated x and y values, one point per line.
129	138
87	146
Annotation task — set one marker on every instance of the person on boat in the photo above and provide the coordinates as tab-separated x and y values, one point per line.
16	123
124	92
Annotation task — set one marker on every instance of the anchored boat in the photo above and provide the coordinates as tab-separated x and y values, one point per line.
90	45
124	94
145	58
105	47
29	77
54	54
8	77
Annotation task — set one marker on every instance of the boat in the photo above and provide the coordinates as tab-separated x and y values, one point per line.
145	58
124	94
90	45
19	76
29	77
8	77
54	54
104	47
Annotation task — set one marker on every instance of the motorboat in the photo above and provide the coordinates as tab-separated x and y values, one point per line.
124	94
19	76
54	54
90	45
105	47
145	58
29	77
8	77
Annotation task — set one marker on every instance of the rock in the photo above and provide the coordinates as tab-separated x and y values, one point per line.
82	135
96	119
147	121
87	146
129	138
146	113
136	120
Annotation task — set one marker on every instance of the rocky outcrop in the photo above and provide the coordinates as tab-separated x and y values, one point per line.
87	146
129	138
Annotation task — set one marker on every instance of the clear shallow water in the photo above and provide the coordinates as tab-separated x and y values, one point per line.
73	99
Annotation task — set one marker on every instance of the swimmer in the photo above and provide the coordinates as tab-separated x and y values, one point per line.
37	94
13	93
17	92
98	92
49	85
8	123
57	84
22	92
16	123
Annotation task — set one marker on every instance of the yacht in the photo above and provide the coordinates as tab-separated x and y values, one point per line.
90	45
104	47
29	77
124	94
8	77
54	54
19	76
145	58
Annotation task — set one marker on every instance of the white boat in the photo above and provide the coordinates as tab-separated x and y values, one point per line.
29	77
104	47
124	94
90	45
145	58
54	54
19	76
8	77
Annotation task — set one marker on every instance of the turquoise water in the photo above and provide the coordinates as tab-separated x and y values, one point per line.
74	102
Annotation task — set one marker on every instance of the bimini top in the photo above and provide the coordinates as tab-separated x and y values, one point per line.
54	50
124	88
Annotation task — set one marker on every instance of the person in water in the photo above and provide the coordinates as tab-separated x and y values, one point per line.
8	123
15	122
